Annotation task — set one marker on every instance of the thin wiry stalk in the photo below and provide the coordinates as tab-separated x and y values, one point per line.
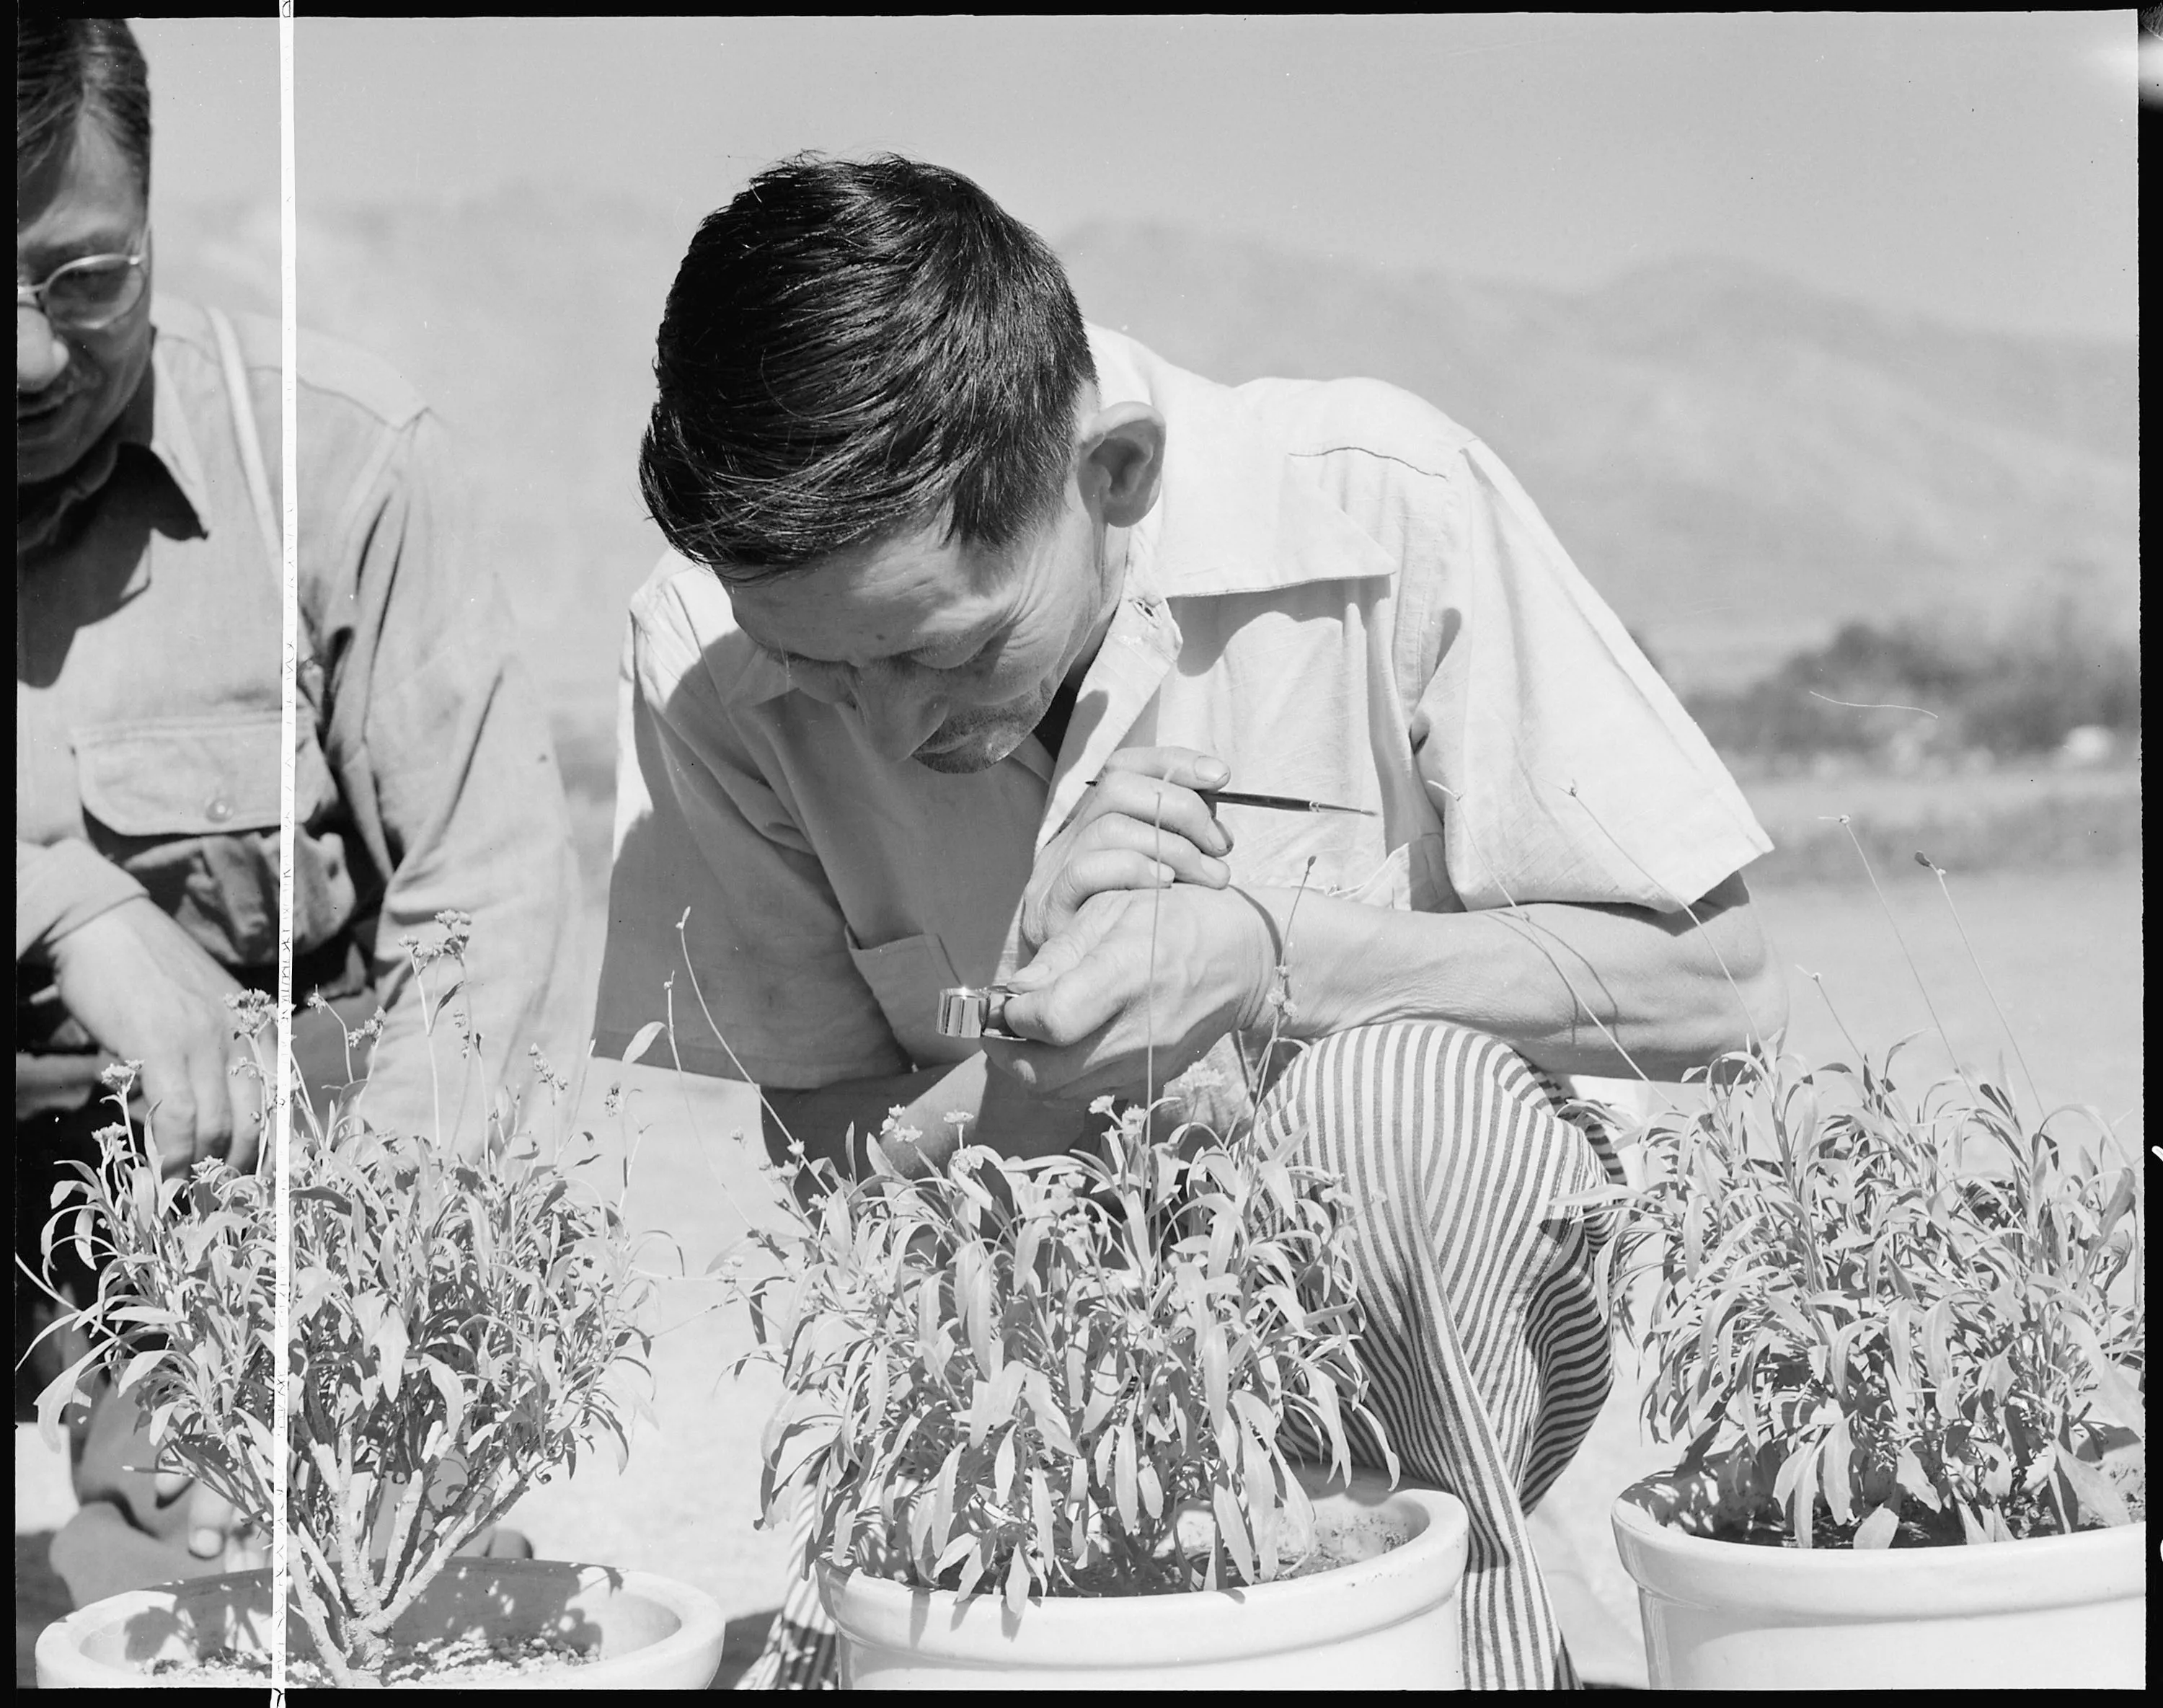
1149	988
1517	911
1983	979
1848	824
714	1026
1818	979
1749	1022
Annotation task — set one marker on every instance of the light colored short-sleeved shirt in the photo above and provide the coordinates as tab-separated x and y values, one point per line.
1340	592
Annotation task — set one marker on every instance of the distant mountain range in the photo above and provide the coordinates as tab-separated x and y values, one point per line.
1737	461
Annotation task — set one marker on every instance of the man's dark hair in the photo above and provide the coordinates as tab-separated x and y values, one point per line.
63	66
852	350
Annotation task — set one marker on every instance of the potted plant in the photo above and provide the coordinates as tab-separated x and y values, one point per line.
460	1328
1038	1407
1901	1343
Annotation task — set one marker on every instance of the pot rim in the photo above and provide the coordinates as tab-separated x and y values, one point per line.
698	1621
1368	1594
1877	1584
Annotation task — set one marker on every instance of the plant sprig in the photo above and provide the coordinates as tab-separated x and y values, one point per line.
1018	1377
1881	1319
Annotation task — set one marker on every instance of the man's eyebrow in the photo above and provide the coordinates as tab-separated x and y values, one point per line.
976	640
60	248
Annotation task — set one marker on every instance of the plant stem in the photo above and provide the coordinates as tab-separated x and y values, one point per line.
1749	1023
1869	872
1983	979
1516	911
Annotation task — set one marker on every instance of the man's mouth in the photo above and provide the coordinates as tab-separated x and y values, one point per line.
40	408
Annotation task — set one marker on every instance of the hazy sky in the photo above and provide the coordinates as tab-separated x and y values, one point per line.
1979	166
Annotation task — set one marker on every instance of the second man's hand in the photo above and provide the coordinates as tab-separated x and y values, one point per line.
146	992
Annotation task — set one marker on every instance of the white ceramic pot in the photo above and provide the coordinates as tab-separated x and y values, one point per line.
2054	1610
653	1633
1387	1623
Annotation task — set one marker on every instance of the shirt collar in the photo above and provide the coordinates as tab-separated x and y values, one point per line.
154	421
172	440
1234	514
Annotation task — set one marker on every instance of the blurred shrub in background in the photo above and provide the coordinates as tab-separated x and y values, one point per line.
1913	687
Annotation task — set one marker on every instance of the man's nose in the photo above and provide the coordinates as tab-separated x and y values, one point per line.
40	356
896	717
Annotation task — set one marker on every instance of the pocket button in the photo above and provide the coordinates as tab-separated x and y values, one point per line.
218	810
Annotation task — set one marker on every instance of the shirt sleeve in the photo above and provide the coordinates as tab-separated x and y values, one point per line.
1563	768
60	886
444	756
704	836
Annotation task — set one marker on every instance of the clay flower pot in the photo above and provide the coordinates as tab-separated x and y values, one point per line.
1387	1621
652	1632
2053	1611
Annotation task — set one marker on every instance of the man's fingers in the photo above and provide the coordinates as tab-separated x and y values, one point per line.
1156	808
1195	861
1188	767
1050	1008
1130	859
213	1090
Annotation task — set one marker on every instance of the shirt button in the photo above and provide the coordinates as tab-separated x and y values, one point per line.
219	809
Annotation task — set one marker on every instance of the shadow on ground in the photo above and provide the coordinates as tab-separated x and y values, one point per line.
739	1647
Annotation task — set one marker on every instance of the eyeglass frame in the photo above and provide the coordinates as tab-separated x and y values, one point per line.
33	295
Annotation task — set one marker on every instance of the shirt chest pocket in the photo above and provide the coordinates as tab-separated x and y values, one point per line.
195	777
906	977
190	807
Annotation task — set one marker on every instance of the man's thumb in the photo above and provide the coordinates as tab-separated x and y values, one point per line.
210	1522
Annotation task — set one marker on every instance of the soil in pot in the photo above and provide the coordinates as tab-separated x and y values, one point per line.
1343	1540
448	1661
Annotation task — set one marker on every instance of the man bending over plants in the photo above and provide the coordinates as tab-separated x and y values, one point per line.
972	608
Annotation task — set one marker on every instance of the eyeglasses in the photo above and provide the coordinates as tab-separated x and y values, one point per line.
90	294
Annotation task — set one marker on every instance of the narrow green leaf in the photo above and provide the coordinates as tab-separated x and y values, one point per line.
1232	1530
1124	1489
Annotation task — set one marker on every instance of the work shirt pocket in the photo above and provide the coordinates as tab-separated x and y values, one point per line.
190	808
193	776
906	977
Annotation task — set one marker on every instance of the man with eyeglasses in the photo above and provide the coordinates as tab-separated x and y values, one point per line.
148	737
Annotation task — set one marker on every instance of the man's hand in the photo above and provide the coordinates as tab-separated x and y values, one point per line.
146	992
1095	996
1142	826
216	1531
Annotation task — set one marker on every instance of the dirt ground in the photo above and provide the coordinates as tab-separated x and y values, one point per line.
2062	952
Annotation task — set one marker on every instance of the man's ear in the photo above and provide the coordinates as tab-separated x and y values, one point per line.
1123	460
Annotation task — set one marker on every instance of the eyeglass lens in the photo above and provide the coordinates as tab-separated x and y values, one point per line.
90	293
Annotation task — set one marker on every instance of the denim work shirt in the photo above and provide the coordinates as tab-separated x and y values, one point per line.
1340	592
149	643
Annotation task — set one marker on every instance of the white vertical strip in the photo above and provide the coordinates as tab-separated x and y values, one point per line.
289	447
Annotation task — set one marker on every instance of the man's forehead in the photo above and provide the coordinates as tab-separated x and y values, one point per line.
83	197
871	600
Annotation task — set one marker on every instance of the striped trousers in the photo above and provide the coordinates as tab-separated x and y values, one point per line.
1484	1339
